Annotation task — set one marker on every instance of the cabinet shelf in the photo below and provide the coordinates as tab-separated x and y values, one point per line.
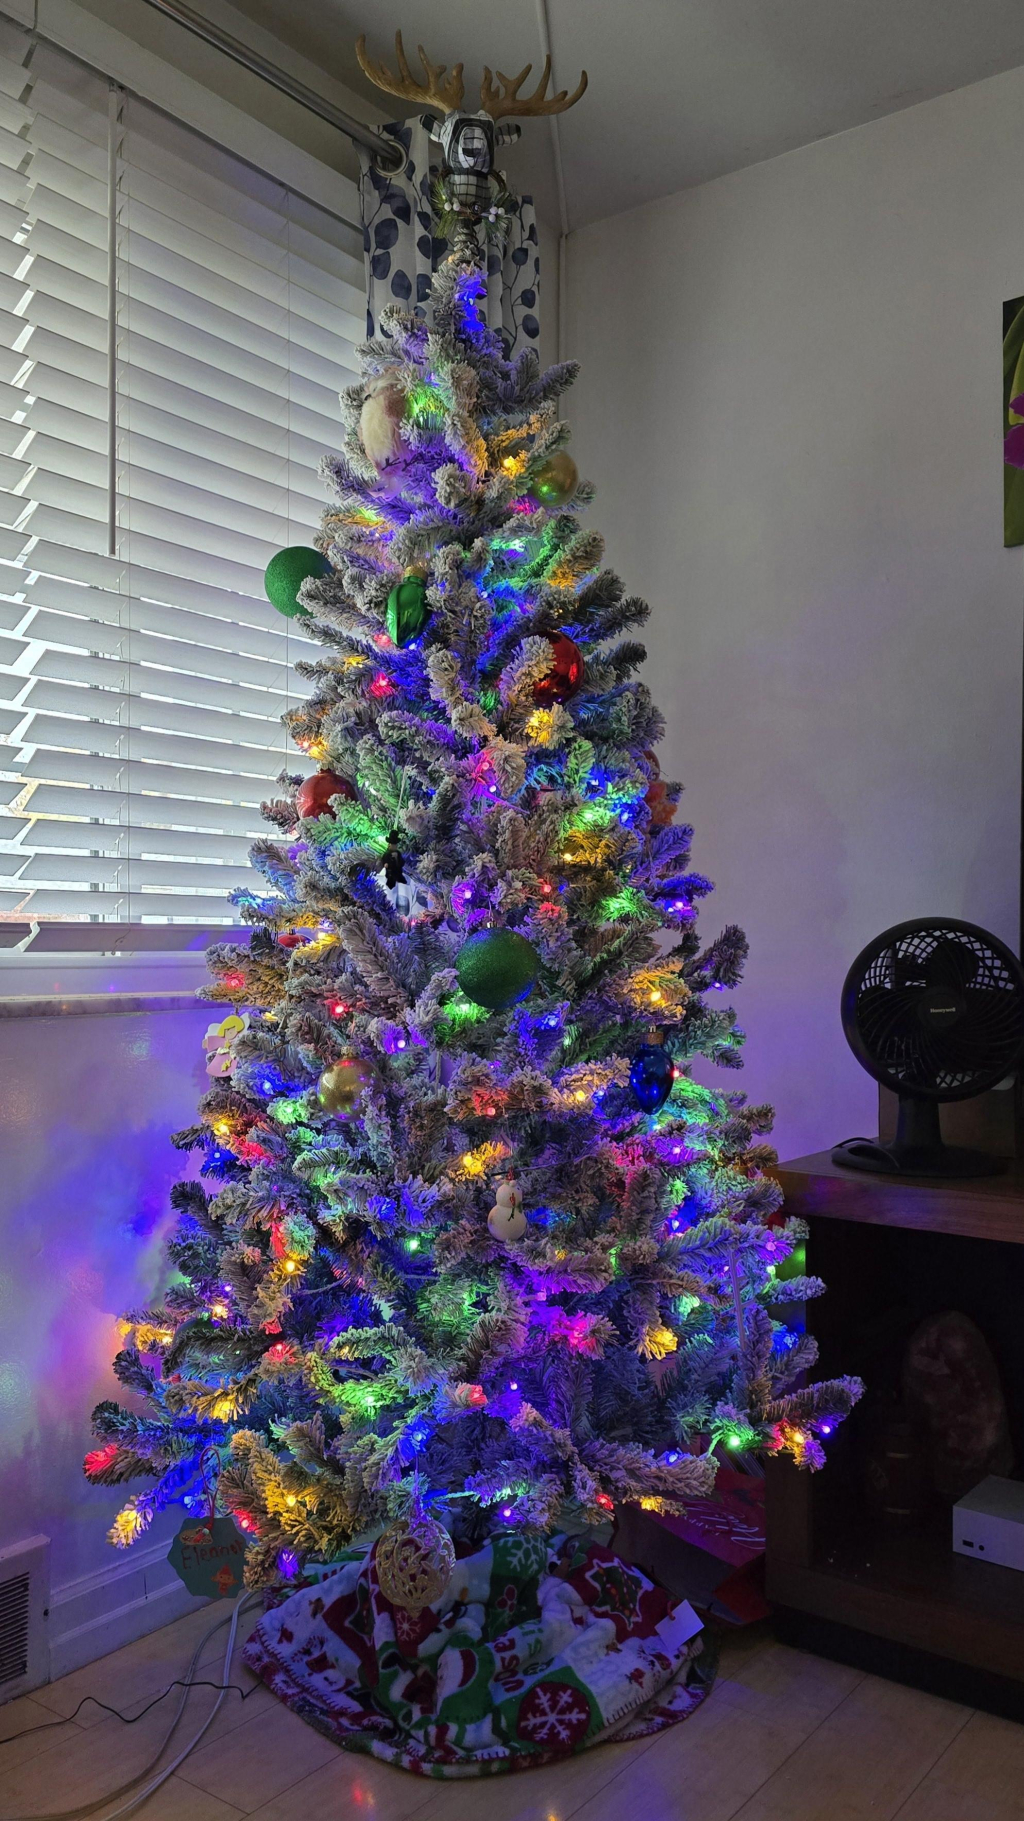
901	1603
987	1207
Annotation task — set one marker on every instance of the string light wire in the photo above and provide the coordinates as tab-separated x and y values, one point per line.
187	1683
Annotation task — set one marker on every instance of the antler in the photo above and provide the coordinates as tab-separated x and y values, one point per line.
511	102
447	95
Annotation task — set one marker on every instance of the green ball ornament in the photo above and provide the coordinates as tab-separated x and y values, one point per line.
286	573
408	612
497	968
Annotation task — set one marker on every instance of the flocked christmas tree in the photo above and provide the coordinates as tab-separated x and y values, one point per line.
468	1242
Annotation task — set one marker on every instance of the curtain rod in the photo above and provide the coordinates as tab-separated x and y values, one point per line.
279	79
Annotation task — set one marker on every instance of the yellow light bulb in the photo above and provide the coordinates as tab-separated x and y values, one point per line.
167	1338
222	1128
291	1499
218	1311
579	1094
655	998
290	1265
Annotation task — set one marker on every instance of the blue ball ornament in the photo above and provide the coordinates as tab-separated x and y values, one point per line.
651	1076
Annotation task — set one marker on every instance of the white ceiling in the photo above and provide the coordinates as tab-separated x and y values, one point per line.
680	90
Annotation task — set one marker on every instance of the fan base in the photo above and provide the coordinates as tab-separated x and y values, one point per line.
915	1160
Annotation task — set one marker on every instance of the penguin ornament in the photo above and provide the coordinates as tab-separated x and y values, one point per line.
408	896
506	1220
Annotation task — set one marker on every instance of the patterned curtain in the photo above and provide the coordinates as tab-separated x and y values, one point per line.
402	249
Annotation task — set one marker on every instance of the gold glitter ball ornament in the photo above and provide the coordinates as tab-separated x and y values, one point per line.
340	1088
415	1560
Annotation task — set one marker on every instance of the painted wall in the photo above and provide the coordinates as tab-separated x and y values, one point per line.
87	1106
790	403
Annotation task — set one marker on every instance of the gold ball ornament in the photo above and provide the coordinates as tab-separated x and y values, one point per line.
415	1559
341	1087
555	483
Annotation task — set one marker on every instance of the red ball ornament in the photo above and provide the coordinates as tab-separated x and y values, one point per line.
313	797
660	805
565	675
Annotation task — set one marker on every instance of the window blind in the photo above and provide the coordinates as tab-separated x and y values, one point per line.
174	329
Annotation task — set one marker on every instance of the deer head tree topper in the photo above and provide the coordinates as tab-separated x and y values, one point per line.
471	189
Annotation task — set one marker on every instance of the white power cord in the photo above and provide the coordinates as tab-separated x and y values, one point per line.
141	1795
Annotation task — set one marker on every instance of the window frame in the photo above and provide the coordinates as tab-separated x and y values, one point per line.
139	74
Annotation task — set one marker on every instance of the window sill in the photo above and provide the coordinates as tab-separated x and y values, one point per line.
111	938
101	980
94	1005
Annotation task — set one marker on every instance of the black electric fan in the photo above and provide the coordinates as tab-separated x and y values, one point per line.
934	1010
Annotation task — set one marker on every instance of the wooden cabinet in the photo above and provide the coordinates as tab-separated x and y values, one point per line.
899	1601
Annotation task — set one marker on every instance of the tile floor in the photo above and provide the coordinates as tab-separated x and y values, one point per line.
783	1737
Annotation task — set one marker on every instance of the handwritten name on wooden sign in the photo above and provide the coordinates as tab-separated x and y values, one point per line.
209	1556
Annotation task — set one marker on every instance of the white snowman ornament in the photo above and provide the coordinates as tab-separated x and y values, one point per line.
506	1220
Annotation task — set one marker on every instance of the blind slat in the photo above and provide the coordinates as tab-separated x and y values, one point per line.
139	775
116	907
213	642
115	673
134	875
193	665
117	711
137	843
161	812
106	740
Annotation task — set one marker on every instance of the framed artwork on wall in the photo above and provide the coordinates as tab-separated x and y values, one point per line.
1013	422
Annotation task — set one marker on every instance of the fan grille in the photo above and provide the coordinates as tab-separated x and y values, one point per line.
936	1009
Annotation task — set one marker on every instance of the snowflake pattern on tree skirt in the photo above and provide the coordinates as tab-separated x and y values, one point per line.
537	1649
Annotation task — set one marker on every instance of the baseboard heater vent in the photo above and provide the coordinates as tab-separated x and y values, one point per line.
24	1609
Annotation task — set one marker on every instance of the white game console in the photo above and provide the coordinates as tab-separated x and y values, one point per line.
988	1523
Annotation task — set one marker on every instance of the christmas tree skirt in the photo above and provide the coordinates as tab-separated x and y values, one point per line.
537	1649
